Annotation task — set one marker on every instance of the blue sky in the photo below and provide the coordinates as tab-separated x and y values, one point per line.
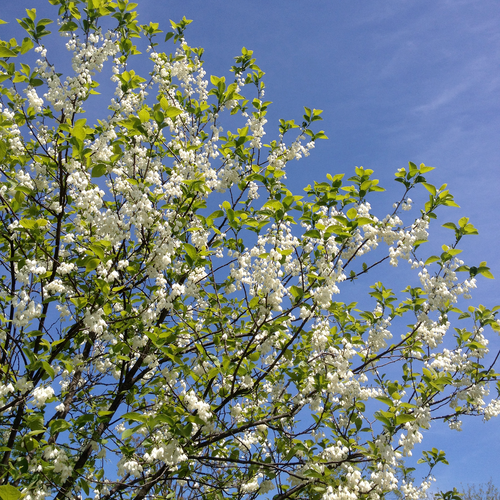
399	81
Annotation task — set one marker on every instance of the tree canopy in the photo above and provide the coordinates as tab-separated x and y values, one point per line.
176	323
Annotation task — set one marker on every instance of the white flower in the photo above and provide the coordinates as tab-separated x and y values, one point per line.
456	425
66	268
34	101
492	410
193	403
24	385
41	394
252	485
6	389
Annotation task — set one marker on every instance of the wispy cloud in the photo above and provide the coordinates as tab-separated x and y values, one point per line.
475	75
444	97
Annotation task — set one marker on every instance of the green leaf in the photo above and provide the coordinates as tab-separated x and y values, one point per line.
297	292
274	204
98	251
163	419
485	271
382	419
191	251
50	371
362	221
99	170
351	213
186	430
69	26
214	215
84	485
104	413
8	492
214	80
35	422
254	356
423	169
402	419
92	264
170	111
27	45
59	426
430	188
129	432
164	103
136	417
33	224
313	233
470	229
5	52
79	132
31	13
386	400
431	259
144	115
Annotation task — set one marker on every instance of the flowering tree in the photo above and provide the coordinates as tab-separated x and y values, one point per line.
172	323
